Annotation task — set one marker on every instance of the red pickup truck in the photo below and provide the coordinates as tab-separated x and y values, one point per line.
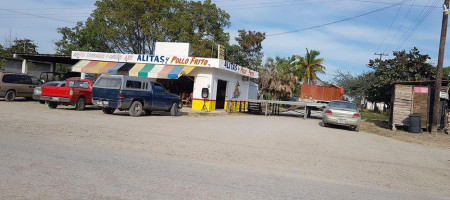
77	92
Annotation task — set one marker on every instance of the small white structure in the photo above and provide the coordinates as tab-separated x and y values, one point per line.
172	49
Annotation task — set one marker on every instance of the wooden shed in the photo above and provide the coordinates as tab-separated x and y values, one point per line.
415	97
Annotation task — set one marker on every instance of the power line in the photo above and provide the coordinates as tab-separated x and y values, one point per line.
387	3
399	27
68	8
44	14
279	5
68	17
390	27
262	3
237	6
413	28
40	16
334	22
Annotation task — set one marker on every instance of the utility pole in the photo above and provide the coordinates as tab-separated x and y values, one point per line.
381	55
438	83
24	45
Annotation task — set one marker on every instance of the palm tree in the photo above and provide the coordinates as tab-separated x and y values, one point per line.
311	65
279	86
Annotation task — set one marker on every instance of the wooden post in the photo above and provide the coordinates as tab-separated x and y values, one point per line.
267	107
438	84
306	113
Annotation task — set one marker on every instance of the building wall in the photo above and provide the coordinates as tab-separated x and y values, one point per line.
34	68
253	90
205	77
371	105
14	66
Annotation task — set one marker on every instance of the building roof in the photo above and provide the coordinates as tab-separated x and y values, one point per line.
426	82
50	58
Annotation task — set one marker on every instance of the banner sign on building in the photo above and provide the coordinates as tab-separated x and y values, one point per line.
238	69
165	60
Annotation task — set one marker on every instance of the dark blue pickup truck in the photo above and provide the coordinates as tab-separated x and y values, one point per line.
135	94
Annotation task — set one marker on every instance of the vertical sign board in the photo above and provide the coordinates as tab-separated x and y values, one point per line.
220	52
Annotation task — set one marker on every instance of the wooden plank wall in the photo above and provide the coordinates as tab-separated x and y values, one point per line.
420	105
403	97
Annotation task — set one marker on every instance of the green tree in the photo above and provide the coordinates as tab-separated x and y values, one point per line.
83	37
22	46
355	86
19	46
248	52
311	65
129	26
284	65
3	55
411	66
279	77
446	73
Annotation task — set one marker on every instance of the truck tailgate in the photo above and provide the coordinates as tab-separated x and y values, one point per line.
99	93
54	91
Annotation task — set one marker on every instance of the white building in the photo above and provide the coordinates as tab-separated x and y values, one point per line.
181	75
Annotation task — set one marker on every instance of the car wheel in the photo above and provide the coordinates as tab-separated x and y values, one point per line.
148	112
135	109
108	110
10	95
80	104
325	124
42	102
356	128
52	105
174	109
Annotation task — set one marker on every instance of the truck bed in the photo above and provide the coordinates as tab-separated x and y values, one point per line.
55	91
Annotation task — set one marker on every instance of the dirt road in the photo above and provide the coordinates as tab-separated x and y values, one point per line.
288	148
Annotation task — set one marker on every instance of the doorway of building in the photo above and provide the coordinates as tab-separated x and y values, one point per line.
183	87
221	93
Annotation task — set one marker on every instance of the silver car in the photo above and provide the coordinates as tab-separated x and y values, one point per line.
342	113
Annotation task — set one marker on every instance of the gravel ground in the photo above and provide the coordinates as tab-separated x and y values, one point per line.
280	146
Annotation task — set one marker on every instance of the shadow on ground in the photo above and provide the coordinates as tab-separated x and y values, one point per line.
381	124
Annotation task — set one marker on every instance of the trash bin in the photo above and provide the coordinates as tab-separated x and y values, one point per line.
415	123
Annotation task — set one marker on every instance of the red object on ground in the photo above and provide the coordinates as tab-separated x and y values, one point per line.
70	93
321	93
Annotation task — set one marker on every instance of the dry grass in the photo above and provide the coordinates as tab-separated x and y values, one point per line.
381	128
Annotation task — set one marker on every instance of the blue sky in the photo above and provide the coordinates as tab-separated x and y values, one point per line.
346	45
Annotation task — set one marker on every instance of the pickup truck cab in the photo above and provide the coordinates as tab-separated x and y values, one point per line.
134	94
76	92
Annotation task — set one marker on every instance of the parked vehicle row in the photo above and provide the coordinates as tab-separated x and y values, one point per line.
137	95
